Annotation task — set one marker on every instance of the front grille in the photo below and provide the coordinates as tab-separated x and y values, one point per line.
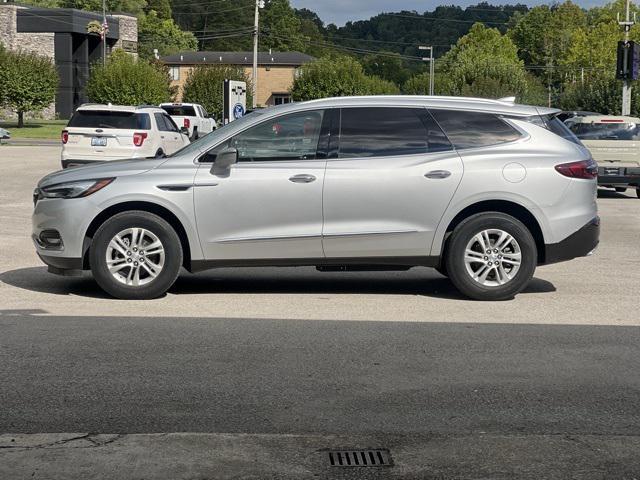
379	457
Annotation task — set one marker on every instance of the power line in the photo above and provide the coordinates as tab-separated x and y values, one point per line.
213	11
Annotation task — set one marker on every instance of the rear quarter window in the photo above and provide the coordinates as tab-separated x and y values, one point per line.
605	131
474	129
110	120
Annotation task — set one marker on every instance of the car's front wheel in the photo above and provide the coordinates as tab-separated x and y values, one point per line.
135	255
491	256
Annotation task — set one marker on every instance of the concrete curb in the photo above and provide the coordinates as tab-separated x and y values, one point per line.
175	456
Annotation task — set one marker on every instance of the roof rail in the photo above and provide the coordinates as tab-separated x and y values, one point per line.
147	106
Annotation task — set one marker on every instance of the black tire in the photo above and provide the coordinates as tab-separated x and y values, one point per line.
159	154
464	233
195	135
638	192
136	219
621	189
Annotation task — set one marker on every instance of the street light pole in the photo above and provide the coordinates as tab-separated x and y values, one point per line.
626	85
429	59
256	29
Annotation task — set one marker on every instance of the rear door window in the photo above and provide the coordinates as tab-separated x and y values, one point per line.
474	129
388	131
106	119
162	125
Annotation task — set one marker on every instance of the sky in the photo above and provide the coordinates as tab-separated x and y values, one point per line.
342	11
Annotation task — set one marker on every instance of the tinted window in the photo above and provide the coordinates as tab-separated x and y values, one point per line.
474	129
160	122
171	125
289	137
110	119
179	110
379	131
605	131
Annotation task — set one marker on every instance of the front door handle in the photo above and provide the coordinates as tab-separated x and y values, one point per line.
438	174
302	178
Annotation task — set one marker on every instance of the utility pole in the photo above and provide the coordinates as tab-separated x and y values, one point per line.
429	59
626	86
256	30
105	28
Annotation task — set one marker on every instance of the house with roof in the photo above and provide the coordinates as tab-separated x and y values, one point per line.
276	70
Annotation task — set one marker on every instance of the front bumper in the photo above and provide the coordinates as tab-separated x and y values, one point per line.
61	265
619	176
579	244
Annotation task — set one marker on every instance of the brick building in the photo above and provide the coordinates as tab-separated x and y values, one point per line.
276	71
61	34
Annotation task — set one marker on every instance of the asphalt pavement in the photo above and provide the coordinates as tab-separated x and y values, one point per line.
254	373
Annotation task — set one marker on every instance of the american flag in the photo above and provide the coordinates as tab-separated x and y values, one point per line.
104	28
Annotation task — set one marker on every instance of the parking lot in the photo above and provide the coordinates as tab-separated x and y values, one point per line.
290	361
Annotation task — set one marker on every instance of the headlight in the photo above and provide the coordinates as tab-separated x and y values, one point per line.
80	188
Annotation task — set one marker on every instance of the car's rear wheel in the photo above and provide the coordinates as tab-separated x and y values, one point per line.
160	154
491	256
638	192
195	135
135	255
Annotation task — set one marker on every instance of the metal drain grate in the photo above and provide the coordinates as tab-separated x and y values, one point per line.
379	457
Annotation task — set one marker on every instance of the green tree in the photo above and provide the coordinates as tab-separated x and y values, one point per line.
28	82
336	76
282	27
161	7
127	81
388	66
165	35
483	63
204	85
134	7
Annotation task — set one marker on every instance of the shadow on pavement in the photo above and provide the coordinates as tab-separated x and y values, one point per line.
419	281
630	194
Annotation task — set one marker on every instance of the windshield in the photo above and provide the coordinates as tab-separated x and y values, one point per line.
209	140
179	110
606	131
110	119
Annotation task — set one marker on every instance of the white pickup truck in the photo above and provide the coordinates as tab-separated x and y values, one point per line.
192	116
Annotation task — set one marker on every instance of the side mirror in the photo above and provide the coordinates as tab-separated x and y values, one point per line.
224	160
184	131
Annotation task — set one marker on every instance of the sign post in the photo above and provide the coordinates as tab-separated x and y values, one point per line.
234	101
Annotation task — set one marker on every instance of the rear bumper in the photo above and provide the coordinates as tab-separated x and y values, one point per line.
619	176
579	244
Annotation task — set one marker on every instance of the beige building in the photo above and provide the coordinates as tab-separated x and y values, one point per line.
276	70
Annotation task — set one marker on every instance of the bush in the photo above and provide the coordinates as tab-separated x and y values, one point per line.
28	82
127	81
337	76
205	86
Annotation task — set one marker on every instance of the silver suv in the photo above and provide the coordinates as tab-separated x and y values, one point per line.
482	190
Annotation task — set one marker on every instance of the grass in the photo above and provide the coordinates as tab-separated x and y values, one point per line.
41	129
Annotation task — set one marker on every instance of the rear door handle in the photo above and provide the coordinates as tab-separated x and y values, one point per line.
438	174
302	178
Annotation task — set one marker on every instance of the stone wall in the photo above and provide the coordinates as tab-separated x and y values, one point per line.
128	30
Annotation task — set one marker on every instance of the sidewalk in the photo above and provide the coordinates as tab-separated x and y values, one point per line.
32	142
176	456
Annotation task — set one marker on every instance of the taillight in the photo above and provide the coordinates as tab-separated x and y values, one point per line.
64	137
585	169
138	138
187	123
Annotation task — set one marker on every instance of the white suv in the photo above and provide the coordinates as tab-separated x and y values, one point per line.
97	133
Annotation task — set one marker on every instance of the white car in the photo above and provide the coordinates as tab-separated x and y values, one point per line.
191	116
97	133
